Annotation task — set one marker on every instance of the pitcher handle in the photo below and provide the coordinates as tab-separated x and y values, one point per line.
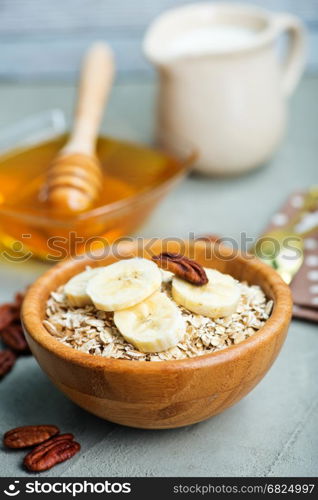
295	59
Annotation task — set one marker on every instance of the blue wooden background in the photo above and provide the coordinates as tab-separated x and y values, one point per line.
44	39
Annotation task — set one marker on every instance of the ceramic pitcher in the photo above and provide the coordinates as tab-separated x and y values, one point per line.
230	102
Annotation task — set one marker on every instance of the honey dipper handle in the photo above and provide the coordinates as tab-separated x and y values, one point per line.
95	85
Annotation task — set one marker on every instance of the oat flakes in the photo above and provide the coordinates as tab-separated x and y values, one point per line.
91	331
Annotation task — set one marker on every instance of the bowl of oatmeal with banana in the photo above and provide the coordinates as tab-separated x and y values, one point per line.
157	337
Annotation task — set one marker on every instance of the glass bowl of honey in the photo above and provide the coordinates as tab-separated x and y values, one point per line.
135	179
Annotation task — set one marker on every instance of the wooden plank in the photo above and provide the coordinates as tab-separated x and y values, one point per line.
47	58
42	40
30	16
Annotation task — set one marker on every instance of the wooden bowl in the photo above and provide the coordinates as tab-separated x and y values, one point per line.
167	394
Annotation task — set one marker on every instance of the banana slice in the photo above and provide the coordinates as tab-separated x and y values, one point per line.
166	276
124	284
154	325
75	288
218	298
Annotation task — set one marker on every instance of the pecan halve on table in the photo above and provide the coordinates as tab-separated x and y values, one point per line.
7	361
183	267
7	315
10	312
29	435
14	338
51	452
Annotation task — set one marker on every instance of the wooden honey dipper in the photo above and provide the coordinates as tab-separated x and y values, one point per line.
74	178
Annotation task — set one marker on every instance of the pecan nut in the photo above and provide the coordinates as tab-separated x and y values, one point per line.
14	338
29	435
7	315
181	266
51	452
7	360
10	312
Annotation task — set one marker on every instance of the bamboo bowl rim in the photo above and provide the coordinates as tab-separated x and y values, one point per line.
37	294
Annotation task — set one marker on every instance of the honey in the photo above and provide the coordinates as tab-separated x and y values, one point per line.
134	179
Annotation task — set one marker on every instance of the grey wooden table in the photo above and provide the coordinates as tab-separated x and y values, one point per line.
273	431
